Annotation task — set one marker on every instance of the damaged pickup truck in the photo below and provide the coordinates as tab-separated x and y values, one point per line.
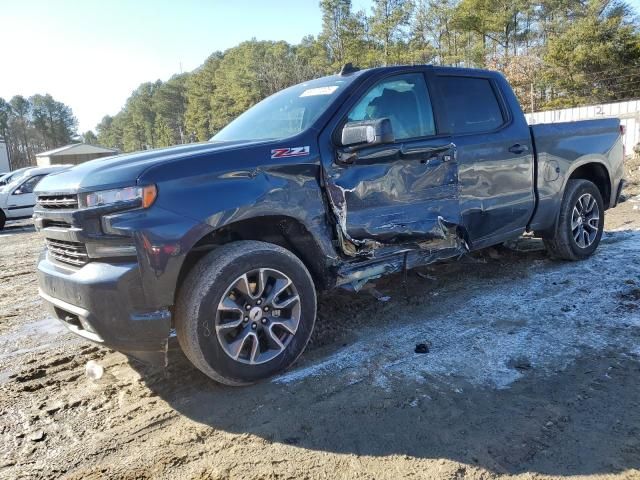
328	183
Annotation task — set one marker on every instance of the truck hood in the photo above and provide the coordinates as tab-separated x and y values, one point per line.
124	170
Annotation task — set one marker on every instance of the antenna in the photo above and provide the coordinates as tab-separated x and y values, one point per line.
348	68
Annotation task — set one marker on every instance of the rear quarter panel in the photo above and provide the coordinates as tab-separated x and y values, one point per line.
561	148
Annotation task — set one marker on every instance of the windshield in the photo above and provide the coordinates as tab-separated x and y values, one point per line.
285	113
11	184
13	176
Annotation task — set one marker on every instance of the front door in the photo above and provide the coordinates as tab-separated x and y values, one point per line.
401	192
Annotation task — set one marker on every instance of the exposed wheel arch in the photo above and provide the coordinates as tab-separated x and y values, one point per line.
597	174
281	230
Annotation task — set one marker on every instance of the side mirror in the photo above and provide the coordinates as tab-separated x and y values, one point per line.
17	192
367	133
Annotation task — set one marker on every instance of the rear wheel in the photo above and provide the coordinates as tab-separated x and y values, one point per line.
3	219
245	312
579	228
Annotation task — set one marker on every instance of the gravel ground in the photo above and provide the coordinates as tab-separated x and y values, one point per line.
529	369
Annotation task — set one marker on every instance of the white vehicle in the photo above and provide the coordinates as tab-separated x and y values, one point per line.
7	178
17	198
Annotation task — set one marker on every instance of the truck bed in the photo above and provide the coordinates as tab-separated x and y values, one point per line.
561	149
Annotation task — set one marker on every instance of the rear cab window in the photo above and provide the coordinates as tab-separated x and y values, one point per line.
471	104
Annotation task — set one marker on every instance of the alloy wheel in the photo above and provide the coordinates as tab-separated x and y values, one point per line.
585	220
258	316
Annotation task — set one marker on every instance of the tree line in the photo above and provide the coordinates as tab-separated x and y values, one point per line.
555	53
32	125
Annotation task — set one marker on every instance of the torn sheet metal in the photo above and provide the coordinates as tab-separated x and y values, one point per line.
443	232
405	247
352	246
392	199
355	276
396	258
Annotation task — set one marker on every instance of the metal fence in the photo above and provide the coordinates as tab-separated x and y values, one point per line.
628	112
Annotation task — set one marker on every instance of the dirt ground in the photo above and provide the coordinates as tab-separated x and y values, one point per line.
530	370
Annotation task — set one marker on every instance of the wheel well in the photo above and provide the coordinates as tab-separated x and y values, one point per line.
597	174
280	230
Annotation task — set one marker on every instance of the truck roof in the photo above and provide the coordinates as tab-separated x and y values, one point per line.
395	68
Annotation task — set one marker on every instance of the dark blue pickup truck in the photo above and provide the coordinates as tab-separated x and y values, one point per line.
328	183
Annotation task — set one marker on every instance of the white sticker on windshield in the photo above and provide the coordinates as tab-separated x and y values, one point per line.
312	92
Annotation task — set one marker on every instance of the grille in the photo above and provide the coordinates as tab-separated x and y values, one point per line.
56	224
58	201
72	253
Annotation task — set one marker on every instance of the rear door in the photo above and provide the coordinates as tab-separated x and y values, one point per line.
405	191
495	154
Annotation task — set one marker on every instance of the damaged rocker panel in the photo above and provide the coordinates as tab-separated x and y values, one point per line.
444	240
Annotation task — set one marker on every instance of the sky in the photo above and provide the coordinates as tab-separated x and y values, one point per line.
92	54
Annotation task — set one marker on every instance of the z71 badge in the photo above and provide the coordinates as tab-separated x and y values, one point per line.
290	152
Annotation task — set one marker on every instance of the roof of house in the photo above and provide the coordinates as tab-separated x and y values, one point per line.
76	149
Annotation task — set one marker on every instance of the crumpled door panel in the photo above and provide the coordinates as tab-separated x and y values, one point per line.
396	196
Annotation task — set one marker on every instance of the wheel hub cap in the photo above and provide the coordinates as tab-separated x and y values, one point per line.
255	315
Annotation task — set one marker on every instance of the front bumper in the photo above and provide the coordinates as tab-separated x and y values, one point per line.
104	303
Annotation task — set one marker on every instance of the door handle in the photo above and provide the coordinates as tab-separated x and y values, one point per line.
518	149
433	150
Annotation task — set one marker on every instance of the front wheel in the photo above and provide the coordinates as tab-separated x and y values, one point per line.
580	224
245	312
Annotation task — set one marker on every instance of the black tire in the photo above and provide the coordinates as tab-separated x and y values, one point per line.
197	310
3	219
561	244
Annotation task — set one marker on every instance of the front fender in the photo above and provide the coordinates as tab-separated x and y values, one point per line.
163	239
290	188
189	208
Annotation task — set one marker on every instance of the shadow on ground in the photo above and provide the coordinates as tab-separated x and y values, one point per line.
580	420
20	226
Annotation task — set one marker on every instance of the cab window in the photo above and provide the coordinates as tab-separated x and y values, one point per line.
472	104
402	99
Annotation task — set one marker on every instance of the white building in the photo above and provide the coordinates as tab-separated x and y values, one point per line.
4	158
73	154
628	112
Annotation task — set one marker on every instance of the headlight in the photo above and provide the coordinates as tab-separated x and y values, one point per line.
95	250
142	196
